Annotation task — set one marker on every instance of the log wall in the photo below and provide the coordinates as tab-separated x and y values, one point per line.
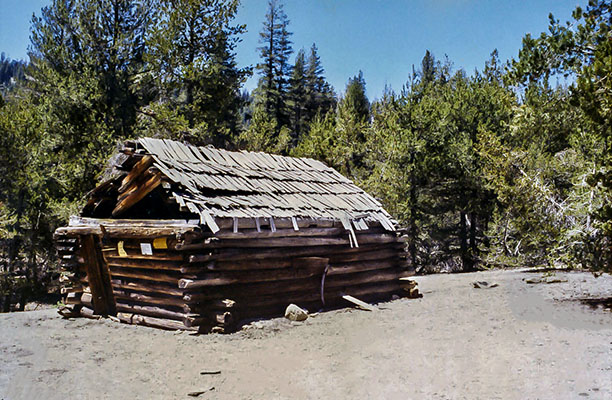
198	281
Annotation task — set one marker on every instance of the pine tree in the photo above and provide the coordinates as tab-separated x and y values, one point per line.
102	41
428	68
193	60
297	97
319	95
355	100
274	68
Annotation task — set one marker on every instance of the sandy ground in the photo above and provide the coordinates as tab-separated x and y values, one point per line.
514	341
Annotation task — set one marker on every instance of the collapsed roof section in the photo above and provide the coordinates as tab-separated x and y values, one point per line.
212	183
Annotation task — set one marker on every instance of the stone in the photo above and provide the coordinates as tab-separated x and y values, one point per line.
295	313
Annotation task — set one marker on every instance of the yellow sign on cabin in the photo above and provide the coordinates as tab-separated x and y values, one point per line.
120	249
160	243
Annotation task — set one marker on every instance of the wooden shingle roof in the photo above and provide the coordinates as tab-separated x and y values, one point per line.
219	183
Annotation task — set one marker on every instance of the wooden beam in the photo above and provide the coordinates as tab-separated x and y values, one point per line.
97	276
137	169
146	188
358	302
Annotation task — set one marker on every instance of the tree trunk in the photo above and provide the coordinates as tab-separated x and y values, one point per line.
413	216
473	243
463	240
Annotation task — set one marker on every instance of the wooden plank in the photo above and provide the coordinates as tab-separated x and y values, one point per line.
146	188
137	169
98	276
358	302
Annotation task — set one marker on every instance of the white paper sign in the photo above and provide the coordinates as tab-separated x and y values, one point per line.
146	249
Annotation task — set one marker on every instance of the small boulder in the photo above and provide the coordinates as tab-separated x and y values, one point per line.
484	285
295	313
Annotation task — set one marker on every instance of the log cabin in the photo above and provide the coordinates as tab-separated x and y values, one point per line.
197	238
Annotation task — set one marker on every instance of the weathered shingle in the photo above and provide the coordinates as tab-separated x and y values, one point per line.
251	184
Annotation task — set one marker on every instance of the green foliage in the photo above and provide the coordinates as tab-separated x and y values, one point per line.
99	73
257	136
297	97
497	168
274	69
582	49
319	94
11	72
193	62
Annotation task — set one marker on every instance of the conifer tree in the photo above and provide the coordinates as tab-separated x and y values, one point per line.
193	60
274	68
319	95
297	97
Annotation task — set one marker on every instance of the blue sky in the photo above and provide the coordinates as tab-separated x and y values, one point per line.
383	38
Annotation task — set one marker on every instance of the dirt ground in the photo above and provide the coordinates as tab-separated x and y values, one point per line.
514	341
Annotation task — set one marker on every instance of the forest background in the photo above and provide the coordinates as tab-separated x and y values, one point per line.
497	168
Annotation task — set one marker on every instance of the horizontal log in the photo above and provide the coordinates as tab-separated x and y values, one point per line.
63	249
249	264
66	241
279	287
241	277
313	251
340	258
73	298
211	305
71	289
153	322
254	289
333	296
150	311
143	275
157	256
382	275
348	268
125	231
149	287
148	299
132	245
375	238
142	223
162	265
